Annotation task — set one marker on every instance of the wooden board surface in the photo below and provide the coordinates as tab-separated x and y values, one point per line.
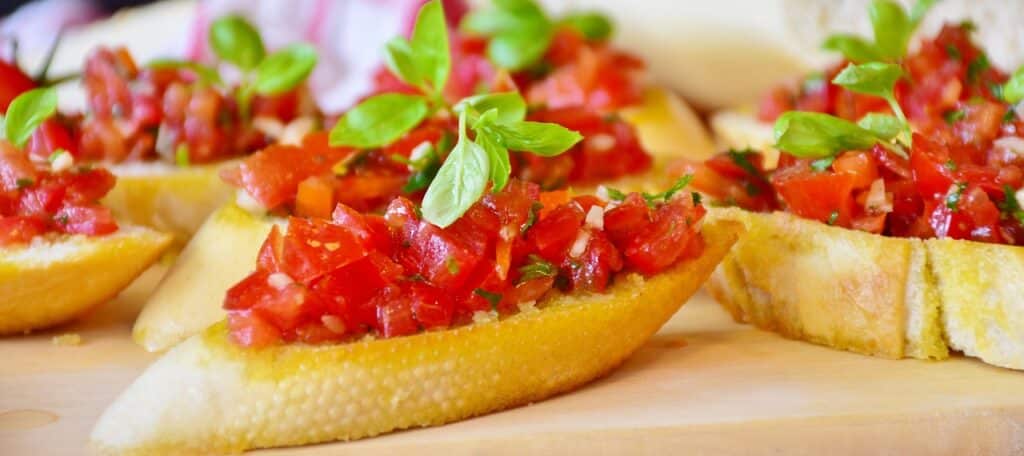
702	385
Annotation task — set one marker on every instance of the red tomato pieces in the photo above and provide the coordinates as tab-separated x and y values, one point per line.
397	274
35	200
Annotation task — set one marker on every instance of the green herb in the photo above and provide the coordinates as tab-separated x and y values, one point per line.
56	154
1010	207
976	67
425	167
832	218
520	32
451	265
893	27
950	165
614	194
884	126
667	195
531	219
537	268
497	120
205	73
1010	116
740	158
954	116
379	120
459	183
969	26
24	182
822	164
26	112
236	41
954	196
877	79
285	69
696	198
493	298
63	219
1013	90
953	52
181	155
816	135
593	26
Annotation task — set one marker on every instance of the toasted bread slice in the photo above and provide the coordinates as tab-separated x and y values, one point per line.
53	280
168	198
982	297
668	127
208	395
740	129
188	298
836	287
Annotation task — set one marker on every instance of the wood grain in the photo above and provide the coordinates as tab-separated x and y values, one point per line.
702	385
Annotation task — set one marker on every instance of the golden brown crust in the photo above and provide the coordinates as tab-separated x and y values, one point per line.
831	286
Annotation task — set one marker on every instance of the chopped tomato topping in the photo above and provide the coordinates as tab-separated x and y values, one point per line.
13	82
396	274
35	200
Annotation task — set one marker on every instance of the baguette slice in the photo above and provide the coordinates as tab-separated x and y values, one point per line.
831	286
188	298
208	395
982	294
168	198
50	282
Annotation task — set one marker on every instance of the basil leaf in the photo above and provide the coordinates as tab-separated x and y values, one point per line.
285	69
854	48
892	28
1013	91
874	78
203	72
459	183
593	26
501	166
27	111
919	10
545	139
379	120
235	40
882	125
517	51
511	106
817	135
430	45
401	60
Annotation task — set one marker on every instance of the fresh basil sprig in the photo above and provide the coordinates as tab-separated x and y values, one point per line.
234	40
496	120
26	112
892	26
817	135
520	32
878	79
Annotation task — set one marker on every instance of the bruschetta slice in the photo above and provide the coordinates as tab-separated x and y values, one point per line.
897	223
491	343
628	130
61	252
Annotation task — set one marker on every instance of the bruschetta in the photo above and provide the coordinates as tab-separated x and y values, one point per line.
897	209
61	252
375	323
308	179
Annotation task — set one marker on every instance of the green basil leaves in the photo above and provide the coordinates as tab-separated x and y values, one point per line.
1013	90
235	40
425	61
27	112
893	27
459	183
379	120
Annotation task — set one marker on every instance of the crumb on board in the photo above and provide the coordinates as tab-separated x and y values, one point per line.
66	340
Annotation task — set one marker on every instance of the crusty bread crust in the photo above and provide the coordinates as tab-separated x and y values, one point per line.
876	295
209	396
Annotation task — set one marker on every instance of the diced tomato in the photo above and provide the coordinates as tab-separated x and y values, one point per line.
271	255
554	234
13	82
822	196
20	229
315	197
248	329
394	313
431	306
313	248
92	220
592	270
664	240
50	137
860	165
16	170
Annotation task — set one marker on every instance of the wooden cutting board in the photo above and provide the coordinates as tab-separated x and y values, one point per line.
702	385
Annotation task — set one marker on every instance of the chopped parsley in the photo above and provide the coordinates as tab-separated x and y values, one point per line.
950	165
1010	116
452	265
62	219
24	182
1010	207
668	194
976	67
739	157
954	196
968	26
181	156
822	164
537	268
832	218
953	52
696	198
493	298
614	194
531	218
954	116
